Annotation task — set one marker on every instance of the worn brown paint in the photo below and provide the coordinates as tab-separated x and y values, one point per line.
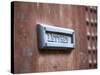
28	57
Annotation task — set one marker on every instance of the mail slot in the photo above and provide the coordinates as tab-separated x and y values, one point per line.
51	37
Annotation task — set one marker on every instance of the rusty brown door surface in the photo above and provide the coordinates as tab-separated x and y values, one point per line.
27	57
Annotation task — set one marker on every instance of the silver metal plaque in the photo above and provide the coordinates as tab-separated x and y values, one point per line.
51	37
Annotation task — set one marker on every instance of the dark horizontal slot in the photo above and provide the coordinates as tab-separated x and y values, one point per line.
65	34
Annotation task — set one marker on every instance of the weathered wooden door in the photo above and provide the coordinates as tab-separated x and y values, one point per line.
27	57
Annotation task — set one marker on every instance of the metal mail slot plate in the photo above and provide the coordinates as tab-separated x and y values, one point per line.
51	37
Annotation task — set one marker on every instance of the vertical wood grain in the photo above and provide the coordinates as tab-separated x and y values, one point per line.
28	57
